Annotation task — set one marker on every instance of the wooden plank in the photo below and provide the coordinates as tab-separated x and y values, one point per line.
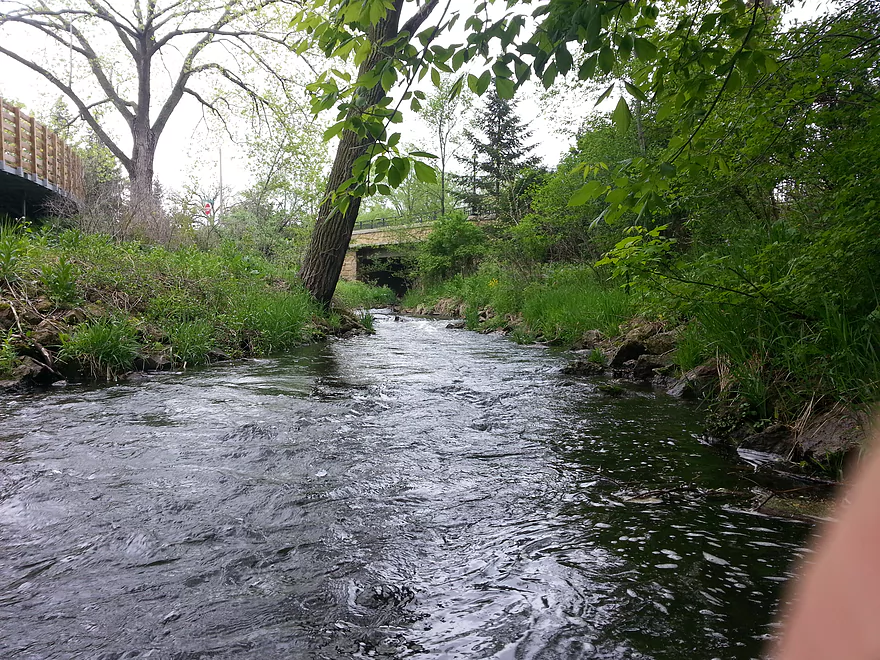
2	133
45	152
17	143
32	134
55	158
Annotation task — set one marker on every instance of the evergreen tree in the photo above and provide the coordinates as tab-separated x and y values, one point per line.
499	154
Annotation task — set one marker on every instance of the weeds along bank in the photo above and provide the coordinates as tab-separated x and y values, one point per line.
84	307
772	380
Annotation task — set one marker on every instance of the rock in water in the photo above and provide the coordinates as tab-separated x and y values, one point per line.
583	368
629	350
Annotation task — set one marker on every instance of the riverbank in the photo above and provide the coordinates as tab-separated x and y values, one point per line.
77	307
754	403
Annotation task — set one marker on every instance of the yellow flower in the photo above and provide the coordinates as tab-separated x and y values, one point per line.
493	281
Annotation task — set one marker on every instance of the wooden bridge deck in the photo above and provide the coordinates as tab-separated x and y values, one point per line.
35	162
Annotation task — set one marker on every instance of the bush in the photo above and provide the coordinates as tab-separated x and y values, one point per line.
454	246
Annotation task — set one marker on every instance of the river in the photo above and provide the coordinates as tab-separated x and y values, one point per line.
421	493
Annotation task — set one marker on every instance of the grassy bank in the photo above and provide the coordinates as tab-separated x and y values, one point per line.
360	295
556	304
87	307
773	365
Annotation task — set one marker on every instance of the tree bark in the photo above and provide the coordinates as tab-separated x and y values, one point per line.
332	234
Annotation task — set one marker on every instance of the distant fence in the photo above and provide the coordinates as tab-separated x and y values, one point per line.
399	221
32	151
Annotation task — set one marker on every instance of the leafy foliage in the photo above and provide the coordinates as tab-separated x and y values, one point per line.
454	246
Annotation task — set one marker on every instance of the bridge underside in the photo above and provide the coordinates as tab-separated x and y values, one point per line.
22	197
382	266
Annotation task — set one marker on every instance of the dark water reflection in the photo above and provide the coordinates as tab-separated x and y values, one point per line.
423	493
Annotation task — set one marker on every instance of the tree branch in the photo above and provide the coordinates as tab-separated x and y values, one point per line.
81	106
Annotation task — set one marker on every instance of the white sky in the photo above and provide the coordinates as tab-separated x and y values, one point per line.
189	150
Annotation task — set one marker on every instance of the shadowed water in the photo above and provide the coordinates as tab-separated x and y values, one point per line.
424	493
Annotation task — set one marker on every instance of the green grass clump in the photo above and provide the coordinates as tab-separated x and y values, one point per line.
571	301
360	295
368	321
191	342
267	322
104	349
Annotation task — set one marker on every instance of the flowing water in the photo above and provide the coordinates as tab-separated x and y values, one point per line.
423	493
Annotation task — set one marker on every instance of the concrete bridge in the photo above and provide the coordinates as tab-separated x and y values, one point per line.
377	249
35	165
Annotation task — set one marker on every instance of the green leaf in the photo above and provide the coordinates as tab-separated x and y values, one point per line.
616	196
667	169
389	77
588	68
483	83
505	88
645	50
422	154
665	110
622	116
606	59
424	172
334	130
563	60
590	190
605	93
501	70
473	83
549	76
636	92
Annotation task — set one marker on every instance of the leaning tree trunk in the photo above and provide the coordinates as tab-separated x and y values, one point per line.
332	234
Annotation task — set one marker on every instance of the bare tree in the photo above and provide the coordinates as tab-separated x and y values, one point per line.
152	34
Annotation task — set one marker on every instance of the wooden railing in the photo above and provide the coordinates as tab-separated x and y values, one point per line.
397	221
32	151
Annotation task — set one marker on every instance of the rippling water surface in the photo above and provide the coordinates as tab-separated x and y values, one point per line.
423	493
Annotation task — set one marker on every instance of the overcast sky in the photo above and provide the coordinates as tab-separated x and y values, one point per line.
190	150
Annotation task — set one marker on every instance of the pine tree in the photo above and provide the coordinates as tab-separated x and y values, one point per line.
488	187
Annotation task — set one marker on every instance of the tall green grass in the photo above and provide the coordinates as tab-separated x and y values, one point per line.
136	296
775	361
557	304
104	349
360	295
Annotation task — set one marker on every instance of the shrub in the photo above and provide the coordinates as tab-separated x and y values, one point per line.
454	246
